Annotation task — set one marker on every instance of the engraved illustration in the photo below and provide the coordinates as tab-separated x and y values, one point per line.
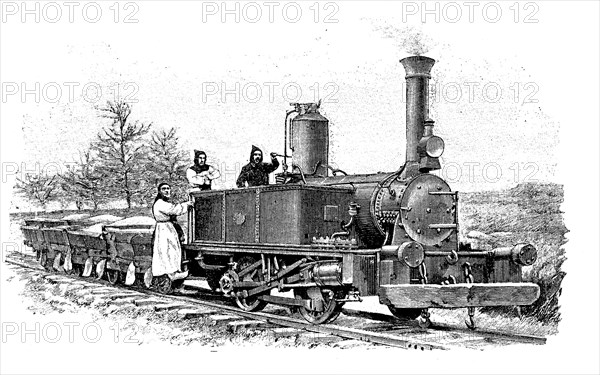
403	190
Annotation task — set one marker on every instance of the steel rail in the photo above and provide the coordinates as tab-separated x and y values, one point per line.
380	338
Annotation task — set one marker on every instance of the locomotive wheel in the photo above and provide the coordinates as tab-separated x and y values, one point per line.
406	314
250	303
177	284
423	319
113	276
335	315
212	278
331	311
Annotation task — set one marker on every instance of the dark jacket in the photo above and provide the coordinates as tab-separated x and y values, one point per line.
256	174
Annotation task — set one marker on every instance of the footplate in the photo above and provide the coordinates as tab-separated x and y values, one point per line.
458	295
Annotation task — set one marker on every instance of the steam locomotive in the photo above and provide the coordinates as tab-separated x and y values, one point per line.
329	238
318	238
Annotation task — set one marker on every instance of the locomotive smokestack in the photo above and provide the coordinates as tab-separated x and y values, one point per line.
418	70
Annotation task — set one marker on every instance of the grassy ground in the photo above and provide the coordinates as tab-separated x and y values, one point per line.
46	302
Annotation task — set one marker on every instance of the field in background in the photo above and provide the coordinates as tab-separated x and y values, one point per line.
526	213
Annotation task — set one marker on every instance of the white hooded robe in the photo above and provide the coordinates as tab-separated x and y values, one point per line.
166	255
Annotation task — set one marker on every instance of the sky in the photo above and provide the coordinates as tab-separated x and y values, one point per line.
227	85
516	88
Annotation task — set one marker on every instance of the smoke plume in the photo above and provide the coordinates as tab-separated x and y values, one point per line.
409	38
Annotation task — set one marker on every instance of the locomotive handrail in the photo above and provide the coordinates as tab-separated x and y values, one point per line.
313	185
285	140
333	170
443	193
443	226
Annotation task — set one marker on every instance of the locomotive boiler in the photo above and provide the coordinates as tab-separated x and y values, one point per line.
328	238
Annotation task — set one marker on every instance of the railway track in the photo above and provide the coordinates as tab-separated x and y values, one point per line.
353	324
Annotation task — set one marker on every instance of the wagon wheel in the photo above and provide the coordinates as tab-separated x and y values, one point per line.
250	303
57	264
68	263
100	269
44	261
405	314
163	284
148	278
77	270
80	268
72	271
113	276
331	310
139	281
88	268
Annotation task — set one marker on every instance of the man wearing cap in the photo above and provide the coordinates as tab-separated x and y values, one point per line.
256	172
200	175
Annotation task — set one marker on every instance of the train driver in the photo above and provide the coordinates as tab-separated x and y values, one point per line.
256	172
166	254
200	175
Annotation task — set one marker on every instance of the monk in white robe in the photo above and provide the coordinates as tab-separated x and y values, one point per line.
166	255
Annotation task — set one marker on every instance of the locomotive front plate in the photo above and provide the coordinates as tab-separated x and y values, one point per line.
428	209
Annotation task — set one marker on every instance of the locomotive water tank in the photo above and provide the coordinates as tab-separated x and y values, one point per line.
309	140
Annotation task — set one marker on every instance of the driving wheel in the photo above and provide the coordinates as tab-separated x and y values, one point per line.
212	278
331	308
249	303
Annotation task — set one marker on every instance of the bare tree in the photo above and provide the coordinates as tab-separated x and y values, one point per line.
83	183
167	162
39	189
121	152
